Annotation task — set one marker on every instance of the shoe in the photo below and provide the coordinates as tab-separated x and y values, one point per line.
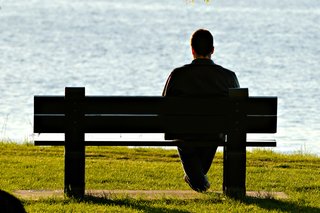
206	187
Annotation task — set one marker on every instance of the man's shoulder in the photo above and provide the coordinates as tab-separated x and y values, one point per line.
184	67
223	69
213	66
218	67
181	69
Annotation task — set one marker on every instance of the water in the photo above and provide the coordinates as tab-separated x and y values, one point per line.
129	47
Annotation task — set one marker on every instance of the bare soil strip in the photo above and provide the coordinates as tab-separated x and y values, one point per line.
143	194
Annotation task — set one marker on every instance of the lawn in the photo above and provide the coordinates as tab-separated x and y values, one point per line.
26	167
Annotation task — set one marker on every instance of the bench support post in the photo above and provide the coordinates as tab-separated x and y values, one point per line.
74	179
234	168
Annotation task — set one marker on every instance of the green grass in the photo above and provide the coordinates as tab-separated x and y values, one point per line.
28	167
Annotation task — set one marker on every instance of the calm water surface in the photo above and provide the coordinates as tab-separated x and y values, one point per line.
129	47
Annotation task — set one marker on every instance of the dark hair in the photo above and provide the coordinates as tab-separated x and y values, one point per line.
202	42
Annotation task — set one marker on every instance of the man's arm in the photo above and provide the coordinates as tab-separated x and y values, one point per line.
235	81
164	92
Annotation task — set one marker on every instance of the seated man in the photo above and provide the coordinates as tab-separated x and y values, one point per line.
200	78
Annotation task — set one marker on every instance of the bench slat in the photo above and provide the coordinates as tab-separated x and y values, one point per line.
135	124
260	143
261	124
261	106
153	124
154	105
49	105
49	123
133	105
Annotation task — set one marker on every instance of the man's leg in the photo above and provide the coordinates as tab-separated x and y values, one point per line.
207	153
206	156
192	165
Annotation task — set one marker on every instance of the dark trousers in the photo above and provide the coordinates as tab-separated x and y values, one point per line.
196	162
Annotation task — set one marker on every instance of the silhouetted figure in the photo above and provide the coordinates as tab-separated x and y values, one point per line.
201	78
10	204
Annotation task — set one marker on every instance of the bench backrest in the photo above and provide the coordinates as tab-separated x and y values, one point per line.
114	114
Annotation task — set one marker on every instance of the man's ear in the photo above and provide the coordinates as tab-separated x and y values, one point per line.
193	52
212	50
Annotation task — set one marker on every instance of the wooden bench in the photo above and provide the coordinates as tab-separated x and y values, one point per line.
76	114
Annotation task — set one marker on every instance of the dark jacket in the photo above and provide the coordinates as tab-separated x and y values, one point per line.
201	78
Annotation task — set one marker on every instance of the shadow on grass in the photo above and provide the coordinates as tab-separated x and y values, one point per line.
148	205
174	205
143	204
279	205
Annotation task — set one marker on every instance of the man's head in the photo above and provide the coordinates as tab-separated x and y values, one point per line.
202	44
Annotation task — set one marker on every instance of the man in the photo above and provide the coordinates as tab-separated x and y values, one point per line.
200	78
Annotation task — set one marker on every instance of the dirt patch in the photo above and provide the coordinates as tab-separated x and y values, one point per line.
145	194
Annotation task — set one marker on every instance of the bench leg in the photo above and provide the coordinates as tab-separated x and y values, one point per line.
234	166
74	179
